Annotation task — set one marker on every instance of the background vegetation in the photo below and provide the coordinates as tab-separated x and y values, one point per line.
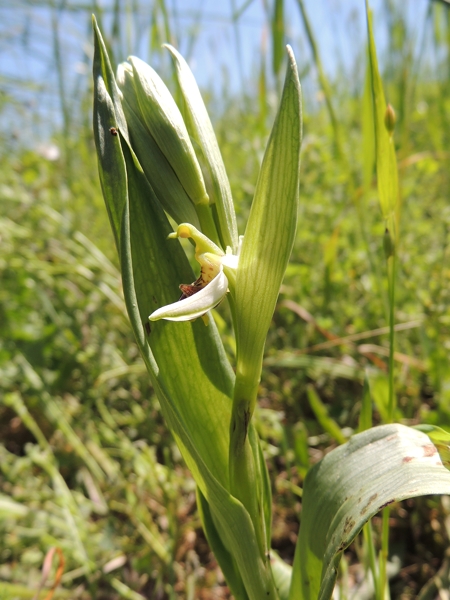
86	463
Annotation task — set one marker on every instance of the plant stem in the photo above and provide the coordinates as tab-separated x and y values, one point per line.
384	554
391	268
391	265
367	531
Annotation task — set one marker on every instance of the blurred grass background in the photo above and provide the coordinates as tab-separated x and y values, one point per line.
86	463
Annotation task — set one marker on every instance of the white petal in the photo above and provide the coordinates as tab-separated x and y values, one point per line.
231	261
197	304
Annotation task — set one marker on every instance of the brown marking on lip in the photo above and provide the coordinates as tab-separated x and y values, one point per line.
189	289
407	459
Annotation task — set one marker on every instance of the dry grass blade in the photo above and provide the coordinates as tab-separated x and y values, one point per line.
46	572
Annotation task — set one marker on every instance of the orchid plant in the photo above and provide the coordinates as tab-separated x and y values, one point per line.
159	166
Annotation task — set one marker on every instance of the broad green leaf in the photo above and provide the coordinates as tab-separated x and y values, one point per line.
200	128
351	484
265	252
282	573
269	236
224	558
263	480
186	361
386	161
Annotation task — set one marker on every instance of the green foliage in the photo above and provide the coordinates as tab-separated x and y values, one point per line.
74	394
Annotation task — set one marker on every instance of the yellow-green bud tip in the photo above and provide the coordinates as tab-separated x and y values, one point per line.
389	119
184	231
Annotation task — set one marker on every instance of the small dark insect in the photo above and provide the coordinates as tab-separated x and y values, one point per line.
113	131
147	328
191	289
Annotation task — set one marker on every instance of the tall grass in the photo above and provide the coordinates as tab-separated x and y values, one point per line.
86	462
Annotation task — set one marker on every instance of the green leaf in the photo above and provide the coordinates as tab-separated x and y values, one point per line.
201	130
282	573
224	558
269	236
351	484
265	252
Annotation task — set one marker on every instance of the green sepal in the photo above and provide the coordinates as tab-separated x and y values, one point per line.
201	130
157	169
163	119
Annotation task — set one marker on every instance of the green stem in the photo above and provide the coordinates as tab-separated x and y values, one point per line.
391	266
372	557
384	554
244	484
391	286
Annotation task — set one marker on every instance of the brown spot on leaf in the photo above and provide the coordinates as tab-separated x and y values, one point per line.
365	508
348	525
429	450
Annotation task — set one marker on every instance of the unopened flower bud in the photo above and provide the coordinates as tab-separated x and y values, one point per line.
156	108
389	119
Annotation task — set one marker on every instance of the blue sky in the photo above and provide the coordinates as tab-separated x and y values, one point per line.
223	56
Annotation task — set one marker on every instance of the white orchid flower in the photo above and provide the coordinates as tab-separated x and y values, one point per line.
218	272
